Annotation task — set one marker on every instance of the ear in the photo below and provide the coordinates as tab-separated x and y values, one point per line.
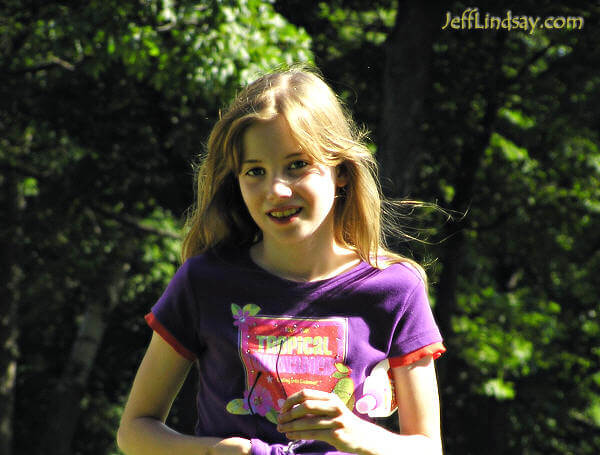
341	175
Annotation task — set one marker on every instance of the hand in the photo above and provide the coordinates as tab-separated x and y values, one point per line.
231	446
312	414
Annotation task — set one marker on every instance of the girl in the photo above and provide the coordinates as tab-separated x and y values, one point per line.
287	298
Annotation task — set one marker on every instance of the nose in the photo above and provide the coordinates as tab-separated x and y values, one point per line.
280	188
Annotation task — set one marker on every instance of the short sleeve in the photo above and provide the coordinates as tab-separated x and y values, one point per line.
175	315
416	333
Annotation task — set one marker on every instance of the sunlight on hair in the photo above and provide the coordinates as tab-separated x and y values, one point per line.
324	129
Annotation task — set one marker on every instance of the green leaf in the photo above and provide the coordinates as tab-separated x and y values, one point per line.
500	389
344	389
350	404
110	47
338	375
235	309
236	406
271	416
30	186
342	368
252	309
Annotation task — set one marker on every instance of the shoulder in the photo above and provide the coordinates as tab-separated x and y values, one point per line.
207	264
399	277
207	272
408	270
394	288
198	271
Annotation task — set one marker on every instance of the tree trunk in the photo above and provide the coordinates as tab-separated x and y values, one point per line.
10	244
464	184
406	82
65	405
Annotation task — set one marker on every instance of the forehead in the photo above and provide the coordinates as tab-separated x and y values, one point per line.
268	139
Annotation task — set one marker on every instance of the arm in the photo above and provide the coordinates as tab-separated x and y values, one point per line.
418	404
157	382
311	414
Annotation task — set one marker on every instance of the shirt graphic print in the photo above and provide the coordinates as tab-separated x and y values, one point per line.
282	355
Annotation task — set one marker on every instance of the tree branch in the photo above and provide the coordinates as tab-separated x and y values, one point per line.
53	61
136	223
24	170
122	218
537	55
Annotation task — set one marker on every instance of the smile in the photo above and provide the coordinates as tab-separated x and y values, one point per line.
281	214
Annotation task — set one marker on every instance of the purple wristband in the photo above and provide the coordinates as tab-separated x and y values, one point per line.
258	447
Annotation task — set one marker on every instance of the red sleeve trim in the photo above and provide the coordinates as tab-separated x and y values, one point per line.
435	350
166	335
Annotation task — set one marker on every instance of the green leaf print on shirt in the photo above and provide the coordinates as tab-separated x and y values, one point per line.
251	309
235	309
237	407
344	388
342	368
272	416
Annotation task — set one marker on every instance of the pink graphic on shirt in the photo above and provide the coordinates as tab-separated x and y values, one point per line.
282	355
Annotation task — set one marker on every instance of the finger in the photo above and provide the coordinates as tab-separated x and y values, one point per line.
318	435
311	407
309	423
302	395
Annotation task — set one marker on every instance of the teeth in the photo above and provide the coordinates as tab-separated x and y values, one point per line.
284	213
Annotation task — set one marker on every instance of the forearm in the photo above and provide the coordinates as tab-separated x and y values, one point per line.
384	442
149	436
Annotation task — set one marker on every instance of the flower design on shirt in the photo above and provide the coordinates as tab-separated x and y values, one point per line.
240	318
241	314
259	399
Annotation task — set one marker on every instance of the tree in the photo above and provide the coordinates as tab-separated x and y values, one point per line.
105	106
514	148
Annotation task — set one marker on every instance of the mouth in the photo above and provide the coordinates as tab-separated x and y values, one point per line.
285	214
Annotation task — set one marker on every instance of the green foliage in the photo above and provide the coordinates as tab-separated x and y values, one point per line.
525	320
106	103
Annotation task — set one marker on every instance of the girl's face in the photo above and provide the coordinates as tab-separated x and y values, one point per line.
289	196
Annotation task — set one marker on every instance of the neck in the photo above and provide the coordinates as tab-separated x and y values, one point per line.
306	263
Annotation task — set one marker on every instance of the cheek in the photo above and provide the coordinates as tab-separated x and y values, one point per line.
252	198
246	189
321	187
246	195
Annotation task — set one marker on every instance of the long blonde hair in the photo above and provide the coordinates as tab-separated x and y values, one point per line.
325	131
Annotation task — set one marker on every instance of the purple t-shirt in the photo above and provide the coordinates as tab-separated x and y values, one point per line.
258	338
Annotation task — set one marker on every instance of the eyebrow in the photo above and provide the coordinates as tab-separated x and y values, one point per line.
286	157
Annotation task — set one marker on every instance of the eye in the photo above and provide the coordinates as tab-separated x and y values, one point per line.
255	171
298	164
